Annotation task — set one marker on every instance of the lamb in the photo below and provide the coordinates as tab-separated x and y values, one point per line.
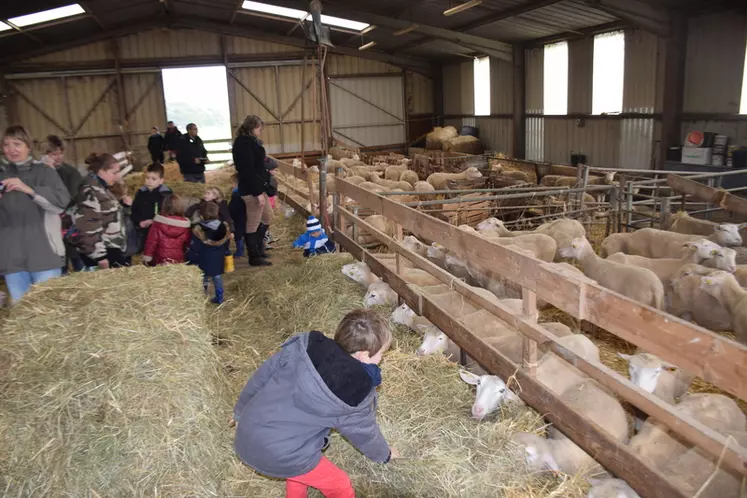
665	268
614	243
682	222
611	488
563	230
569	181
543	246
410	177
725	288
390	184
394	172
411	243
439	181
636	283
355	180
379	222
510	174
371	187
360	272
654	243
690	302
350	162
404	315
436	254
380	294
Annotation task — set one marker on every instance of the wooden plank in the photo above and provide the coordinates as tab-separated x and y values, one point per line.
519	122
720	198
703	353
613	454
688	428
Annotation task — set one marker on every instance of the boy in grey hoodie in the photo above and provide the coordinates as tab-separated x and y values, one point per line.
312	385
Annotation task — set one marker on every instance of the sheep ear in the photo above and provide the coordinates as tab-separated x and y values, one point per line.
625	357
469	377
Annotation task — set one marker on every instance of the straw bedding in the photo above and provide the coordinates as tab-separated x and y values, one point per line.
110	387
439	137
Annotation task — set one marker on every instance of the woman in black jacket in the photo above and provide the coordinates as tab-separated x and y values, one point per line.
250	160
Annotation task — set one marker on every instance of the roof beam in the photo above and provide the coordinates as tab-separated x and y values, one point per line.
575	35
90	13
639	14
419	65
486	20
501	49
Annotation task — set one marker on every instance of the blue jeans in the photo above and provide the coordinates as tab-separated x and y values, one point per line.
194	177
19	283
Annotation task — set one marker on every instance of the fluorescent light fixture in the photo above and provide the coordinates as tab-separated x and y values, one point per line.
47	15
275	10
4	27
367	45
462	7
406	30
301	15
368	29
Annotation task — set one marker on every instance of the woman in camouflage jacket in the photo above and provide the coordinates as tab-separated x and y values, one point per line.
101	235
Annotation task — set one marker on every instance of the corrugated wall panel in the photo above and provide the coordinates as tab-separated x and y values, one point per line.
535	139
715	63
495	133
502	87
641	61
247	46
420	98
83	93
145	103
452	81
98	51
636	142
338	65
467	70
159	43
580	75
535	68
599	140
52	94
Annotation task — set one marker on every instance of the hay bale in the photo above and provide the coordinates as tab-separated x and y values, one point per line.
465	144
436	139
111	388
424	406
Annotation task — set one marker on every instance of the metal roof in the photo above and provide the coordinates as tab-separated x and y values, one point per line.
488	24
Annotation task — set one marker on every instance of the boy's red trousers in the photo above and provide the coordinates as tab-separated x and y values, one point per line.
332	481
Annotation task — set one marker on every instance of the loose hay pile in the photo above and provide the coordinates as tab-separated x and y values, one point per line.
424	406
437	139
110	387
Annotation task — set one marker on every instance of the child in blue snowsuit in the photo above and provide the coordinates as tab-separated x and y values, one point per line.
208	248
315	240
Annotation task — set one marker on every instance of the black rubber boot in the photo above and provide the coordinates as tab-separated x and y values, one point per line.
261	231
252	247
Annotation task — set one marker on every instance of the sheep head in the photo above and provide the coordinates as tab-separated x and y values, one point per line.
472	173
411	243
378	294
403	315
575	249
713	284
434	341
727	234
645	369
611	488
722	258
537	452
436	251
489	224
359	272
492	392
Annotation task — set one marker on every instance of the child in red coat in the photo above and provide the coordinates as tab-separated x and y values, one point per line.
169	235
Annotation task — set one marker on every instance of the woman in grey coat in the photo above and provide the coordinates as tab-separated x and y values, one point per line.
32	197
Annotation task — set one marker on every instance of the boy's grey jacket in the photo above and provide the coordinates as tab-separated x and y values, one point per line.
286	410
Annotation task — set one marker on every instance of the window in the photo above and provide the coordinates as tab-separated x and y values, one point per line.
609	73
482	86
302	15
47	15
4	27
556	78
743	107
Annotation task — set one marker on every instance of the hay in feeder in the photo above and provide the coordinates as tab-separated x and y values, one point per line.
110	387
465	144
437	139
424	406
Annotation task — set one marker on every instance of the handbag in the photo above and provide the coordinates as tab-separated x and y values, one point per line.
228	266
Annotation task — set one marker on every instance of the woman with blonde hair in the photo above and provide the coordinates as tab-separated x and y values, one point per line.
251	160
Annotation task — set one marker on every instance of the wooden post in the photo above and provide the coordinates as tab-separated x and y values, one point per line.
121	100
279	110
585	182
674	84
665	214
529	346
355	225
620	191
399	235
303	109
629	204
323	194
612	225
707	214
70	119
519	122
337	223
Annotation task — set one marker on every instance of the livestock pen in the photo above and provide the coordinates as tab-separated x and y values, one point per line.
709	356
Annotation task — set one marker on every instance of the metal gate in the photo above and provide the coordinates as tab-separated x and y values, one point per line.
367	112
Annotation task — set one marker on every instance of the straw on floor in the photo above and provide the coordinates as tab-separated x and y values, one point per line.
109	386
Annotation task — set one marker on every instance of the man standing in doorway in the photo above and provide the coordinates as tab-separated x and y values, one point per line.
192	156
156	145
172	139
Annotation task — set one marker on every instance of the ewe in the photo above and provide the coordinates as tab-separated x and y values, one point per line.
654	243
379	294
611	488
439	181
691	302
725	288
636	283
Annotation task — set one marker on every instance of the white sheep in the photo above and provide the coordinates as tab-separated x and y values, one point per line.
725	288
510	174
654	243
570	181
665	268
390	184
543	246
610	488
563	230
404	315
394	172
681	222
613	244
636	283
411	243
436	254
361	273
410	177
439	181
355	180
421	186
690	302
380	223
380	294
557	453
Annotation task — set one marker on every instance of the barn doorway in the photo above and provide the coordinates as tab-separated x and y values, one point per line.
200	95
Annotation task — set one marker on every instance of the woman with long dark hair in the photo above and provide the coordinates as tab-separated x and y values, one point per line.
250	160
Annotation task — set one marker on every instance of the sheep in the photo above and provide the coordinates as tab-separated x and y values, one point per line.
355	161
656	446
610	488
725	288
379	222
557	453
690	302
355	180
379	294
563	230
665	268
543	246
510	174
375	178
411	243
639	284
394	172
682	222
404	315
371	187
570	181
360	272
654	243
439	181
614	243
421	186
436	254
410	177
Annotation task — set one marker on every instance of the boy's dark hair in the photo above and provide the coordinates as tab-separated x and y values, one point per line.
157	169
209	211
173	205
54	143
363	330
